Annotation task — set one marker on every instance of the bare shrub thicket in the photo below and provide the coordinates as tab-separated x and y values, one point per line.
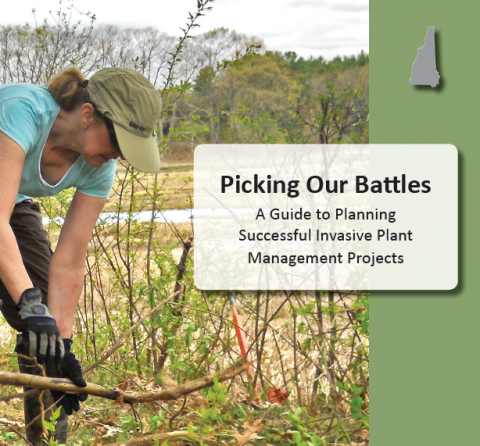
314	345
33	55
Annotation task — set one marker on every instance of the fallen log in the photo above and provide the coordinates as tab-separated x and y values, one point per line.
171	393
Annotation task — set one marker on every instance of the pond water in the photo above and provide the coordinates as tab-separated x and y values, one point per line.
168	216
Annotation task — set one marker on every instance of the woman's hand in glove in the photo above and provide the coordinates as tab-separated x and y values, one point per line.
69	368
41	331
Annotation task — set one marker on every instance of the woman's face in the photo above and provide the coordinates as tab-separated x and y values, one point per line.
98	148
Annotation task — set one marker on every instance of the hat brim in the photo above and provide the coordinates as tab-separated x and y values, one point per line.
142	153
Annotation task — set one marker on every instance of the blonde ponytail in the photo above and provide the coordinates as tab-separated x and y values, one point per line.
67	90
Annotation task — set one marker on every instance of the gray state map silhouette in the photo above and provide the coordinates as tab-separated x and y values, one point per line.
424	70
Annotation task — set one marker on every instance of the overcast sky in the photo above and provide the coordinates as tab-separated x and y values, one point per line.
309	27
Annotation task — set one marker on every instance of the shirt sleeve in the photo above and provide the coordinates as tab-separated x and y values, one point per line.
19	121
99	182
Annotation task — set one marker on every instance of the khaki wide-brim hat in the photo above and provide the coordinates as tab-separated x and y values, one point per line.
134	106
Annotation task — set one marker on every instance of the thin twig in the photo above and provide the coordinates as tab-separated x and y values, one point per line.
21	436
119	342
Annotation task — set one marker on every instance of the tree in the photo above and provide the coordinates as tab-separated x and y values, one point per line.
330	110
252	94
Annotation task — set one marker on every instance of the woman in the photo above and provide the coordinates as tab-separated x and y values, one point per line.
66	135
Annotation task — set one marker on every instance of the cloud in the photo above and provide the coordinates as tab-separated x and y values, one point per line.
349	8
298	4
347	5
328	39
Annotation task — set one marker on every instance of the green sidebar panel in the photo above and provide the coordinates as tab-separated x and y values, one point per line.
425	354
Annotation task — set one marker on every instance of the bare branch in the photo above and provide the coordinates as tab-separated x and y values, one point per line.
172	393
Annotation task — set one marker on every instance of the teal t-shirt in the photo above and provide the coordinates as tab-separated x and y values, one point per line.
27	113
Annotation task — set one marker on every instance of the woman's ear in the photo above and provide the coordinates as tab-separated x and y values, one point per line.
87	115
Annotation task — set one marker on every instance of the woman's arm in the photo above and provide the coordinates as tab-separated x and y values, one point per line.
67	267
12	271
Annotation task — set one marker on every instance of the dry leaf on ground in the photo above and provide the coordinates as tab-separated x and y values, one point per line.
250	433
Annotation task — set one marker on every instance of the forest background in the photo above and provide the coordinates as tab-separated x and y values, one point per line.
309	350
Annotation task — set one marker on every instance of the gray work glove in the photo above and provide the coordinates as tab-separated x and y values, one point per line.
69	368
41	331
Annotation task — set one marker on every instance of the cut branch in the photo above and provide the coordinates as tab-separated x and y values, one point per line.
172	393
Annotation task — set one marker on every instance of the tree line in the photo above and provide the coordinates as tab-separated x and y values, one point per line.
221	87
265	98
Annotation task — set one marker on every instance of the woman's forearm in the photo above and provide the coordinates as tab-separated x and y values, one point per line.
67	267
64	290
12	270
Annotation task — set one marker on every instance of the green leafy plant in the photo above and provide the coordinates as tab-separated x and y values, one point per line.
50	425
